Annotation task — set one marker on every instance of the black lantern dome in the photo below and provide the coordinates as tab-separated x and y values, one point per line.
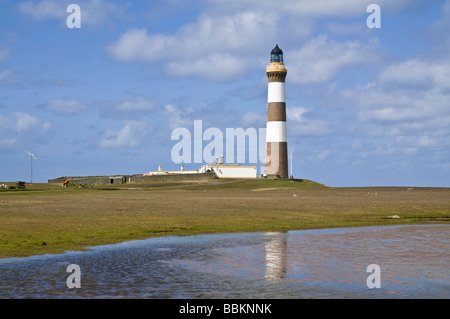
276	55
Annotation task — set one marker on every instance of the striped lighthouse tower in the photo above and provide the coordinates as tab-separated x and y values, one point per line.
276	137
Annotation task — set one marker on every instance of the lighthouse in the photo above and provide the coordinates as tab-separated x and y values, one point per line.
276	136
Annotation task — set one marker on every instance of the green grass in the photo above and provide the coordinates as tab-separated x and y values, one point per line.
46	218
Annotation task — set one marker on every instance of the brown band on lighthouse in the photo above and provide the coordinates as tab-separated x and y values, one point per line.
276	111
276	76
276	159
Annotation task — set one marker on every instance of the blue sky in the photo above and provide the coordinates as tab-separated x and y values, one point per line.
366	107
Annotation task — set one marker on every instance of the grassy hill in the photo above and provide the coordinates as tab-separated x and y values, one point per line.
46	218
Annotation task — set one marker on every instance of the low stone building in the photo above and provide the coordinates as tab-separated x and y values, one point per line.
135	178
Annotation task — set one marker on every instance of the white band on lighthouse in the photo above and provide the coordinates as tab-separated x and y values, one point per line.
276	131
276	92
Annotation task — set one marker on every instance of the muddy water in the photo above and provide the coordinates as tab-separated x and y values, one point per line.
414	262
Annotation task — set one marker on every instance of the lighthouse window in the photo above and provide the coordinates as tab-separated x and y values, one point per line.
276	58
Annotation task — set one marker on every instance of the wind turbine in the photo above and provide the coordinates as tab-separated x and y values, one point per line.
31	158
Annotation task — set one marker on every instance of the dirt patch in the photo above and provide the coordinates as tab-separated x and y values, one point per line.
267	189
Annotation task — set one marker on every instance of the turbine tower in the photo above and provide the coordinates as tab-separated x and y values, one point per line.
276	136
31	157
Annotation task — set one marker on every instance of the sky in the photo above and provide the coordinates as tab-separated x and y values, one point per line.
365	106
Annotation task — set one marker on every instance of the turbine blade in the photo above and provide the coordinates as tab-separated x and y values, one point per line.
32	155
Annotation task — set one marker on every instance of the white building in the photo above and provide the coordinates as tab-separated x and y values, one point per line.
230	170
221	170
161	172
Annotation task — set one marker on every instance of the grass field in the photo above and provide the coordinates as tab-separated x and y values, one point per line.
46	218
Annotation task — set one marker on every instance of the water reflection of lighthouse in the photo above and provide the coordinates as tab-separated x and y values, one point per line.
276	251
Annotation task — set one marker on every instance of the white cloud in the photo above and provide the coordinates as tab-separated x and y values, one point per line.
296	113
130	136
44	9
237	33
320	59
137	45
100	12
349	29
418	72
20	128
396	104
223	48
408	106
136	104
24	122
215	67
127	108
308	8
300	124
423	141
178	117
64	107
214	47
229	38
324	7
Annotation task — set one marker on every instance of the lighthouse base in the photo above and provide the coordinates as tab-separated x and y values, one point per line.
276	160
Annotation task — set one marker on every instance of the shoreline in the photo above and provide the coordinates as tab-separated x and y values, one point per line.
341	229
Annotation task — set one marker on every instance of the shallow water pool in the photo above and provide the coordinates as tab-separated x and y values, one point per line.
414	262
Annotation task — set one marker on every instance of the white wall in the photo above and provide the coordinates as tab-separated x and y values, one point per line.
235	171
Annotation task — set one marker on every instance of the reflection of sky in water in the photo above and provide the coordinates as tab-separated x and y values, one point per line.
328	263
